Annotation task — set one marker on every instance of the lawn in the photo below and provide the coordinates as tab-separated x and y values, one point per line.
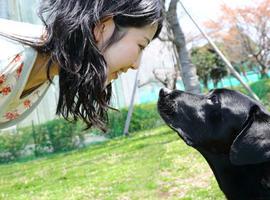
154	164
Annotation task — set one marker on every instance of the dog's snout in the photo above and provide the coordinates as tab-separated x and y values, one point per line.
164	92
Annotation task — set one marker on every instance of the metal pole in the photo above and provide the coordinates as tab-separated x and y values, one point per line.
227	62
130	110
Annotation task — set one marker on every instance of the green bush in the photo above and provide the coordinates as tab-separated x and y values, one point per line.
11	146
145	116
41	140
57	135
262	89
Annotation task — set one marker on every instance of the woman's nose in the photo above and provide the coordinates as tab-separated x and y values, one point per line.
137	63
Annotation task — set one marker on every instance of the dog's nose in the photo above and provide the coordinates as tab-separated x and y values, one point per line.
164	92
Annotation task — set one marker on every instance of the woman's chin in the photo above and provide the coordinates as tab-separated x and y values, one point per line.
111	78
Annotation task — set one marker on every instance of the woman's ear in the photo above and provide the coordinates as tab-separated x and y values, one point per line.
103	31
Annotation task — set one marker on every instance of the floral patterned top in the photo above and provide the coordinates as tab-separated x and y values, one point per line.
15	68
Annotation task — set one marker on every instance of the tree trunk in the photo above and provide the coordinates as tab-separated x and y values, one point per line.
264	73
188	70
264	68
205	83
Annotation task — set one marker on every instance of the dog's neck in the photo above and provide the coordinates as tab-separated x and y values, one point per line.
250	180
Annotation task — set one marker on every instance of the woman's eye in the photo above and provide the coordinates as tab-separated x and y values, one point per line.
141	47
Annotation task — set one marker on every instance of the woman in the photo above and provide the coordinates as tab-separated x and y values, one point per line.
87	43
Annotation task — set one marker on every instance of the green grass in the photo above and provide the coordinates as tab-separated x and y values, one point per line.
153	164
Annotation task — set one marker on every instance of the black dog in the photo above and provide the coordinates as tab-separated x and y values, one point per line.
231	131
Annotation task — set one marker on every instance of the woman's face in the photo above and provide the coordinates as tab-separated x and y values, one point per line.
127	52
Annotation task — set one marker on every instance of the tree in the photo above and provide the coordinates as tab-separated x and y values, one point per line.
203	61
209	65
233	45
176	36
246	31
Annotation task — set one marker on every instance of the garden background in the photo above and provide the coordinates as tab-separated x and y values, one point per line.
46	157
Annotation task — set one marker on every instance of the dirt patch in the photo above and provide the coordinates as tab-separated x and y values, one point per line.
180	186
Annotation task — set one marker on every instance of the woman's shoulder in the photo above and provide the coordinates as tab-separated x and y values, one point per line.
14	73
9	47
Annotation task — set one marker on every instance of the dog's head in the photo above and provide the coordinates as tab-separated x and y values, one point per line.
222	121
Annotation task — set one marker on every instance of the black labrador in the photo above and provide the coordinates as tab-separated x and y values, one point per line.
231	131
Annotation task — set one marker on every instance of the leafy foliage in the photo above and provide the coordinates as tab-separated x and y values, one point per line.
244	31
209	64
56	135
59	135
11	145
145	116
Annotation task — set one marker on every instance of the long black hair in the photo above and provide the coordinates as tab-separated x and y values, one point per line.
70	41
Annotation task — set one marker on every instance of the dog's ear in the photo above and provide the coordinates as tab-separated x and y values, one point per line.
252	145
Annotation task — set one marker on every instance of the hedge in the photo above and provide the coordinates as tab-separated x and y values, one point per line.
59	135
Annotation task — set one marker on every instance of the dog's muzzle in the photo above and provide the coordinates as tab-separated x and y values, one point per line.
165	103
164	92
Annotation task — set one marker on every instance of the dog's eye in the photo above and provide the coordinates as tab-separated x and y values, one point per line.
213	99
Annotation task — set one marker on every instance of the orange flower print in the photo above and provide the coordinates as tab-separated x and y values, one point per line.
2	79
27	103
19	70
11	115
17	58
6	90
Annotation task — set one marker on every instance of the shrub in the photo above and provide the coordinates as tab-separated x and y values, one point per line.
11	145
144	117
57	135
261	88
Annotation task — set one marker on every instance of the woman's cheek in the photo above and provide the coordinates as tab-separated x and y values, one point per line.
126	57
112	59
121	56
134	55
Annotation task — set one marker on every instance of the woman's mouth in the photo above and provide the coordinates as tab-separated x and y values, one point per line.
116	74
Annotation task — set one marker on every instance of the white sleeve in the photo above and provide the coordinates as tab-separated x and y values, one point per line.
11	61
22	30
